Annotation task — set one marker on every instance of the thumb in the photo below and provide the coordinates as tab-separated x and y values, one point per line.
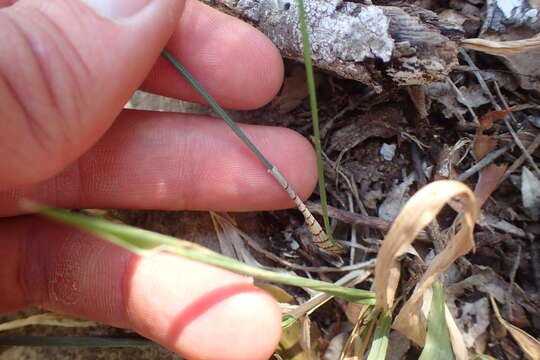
67	67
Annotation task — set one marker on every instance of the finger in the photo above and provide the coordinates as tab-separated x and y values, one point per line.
153	160
191	308
65	73
235	63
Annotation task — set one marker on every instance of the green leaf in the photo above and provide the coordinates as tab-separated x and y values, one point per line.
438	345
142	241
315	118
379	346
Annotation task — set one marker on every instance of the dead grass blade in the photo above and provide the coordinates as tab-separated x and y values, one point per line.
529	345
513	47
349	280
50	319
456	337
419	211
360	338
230	239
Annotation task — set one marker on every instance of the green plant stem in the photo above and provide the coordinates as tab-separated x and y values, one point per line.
315	118
215	106
141	241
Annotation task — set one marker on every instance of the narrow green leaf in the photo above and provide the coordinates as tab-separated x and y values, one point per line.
379	346
315	119
141	241
438	345
287	321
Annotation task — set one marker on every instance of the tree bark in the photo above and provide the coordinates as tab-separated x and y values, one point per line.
404	45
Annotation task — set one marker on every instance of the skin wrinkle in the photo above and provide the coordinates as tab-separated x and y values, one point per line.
58	69
5	143
34	125
76	78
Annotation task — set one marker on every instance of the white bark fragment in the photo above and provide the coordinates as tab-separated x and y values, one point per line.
368	43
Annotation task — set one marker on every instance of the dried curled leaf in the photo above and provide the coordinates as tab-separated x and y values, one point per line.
419	211
529	345
513	47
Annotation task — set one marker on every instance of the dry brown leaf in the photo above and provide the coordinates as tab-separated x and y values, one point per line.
419	211
50	319
513	47
484	144
293	91
488	181
486	122
529	345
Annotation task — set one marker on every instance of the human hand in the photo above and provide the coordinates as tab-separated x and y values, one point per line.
65	74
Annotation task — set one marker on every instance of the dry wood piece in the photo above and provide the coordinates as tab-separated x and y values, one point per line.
373	44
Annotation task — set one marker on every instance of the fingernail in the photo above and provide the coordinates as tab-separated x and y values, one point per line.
117	8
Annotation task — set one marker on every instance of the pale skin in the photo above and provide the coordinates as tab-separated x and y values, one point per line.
65	74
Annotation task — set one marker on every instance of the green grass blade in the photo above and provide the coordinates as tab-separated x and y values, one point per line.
315	118
141	241
215	106
381	338
438	345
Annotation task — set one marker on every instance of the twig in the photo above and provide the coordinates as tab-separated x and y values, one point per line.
513	132
478	74
417	163
358	246
328	124
512	277
535	257
320	269
458	92
488	159
532	148
354	218
354	239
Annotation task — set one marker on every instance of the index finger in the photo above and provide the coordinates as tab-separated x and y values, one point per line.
234	62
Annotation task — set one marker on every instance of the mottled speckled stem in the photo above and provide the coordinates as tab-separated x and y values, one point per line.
319	236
